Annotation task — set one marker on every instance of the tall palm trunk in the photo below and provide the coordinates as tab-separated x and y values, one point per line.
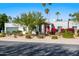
68	23
76	30
3	27
57	17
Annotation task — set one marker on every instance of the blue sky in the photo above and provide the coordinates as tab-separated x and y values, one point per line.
15	9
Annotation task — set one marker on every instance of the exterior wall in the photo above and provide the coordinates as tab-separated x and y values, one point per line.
64	24
12	25
71	24
42	29
59	23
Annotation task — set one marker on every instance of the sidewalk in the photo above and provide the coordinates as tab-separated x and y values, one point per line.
45	40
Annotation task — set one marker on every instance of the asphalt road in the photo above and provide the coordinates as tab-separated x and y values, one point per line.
37	49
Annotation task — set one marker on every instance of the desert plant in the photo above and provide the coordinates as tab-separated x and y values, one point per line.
68	34
2	34
8	33
40	36
15	34
27	35
19	33
54	37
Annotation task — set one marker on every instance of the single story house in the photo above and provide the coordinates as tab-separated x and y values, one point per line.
9	27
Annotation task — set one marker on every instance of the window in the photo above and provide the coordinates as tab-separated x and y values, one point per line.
11	29
74	27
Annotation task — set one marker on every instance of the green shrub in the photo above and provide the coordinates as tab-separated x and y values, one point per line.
18	33
54	37
68	34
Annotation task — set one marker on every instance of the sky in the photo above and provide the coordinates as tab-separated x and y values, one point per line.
15	9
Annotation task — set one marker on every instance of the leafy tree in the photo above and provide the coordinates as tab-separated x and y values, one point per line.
3	20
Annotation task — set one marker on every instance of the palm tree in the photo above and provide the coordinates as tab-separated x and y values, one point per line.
68	22
70	15
43	4
10	18
50	3
30	20
76	16
75	19
47	11
57	13
69	19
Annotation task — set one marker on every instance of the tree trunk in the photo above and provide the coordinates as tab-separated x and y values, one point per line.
57	17
76	30
68	23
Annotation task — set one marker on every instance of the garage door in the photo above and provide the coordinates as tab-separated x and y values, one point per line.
11	29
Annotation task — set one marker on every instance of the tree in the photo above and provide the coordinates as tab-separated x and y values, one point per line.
30	20
3	20
50	3
57	13
9	18
47	11
69	19
43	4
70	15
76	16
